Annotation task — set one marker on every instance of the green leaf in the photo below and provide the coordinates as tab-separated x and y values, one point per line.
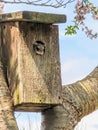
70	30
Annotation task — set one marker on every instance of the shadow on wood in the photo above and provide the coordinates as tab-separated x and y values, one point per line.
30	51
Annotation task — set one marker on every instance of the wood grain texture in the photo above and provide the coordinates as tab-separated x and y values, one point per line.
7	119
33	77
33	17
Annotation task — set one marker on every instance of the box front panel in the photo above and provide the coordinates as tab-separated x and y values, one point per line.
39	62
33	63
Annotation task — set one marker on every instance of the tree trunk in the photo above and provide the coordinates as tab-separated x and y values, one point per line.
78	100
7	120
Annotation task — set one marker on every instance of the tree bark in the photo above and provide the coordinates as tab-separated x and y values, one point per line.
7	120
78	100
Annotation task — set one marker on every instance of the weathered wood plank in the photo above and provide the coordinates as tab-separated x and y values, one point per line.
33	17
31	54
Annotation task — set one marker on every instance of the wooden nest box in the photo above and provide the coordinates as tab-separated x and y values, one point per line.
30	54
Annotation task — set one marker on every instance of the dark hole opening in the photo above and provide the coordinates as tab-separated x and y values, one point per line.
39	47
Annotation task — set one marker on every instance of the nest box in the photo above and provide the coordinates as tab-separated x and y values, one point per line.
30	55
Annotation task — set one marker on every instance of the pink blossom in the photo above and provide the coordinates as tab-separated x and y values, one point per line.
78	5
1	8
89	32
79	18
95	16
81	9
90	5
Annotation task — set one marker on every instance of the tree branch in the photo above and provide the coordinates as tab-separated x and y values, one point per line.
79	99
48	3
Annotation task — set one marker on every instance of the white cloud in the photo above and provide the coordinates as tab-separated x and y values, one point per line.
76	69
89	122
28	125
28	121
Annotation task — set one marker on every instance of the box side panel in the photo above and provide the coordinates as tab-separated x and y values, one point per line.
10	55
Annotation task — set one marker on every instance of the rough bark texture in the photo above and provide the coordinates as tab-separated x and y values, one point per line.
7	120
78	100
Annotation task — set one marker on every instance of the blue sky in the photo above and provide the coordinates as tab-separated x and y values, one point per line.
78	54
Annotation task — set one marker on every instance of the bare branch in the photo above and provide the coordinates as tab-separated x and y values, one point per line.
48	3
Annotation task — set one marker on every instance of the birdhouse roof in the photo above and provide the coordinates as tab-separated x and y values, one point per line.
35	17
